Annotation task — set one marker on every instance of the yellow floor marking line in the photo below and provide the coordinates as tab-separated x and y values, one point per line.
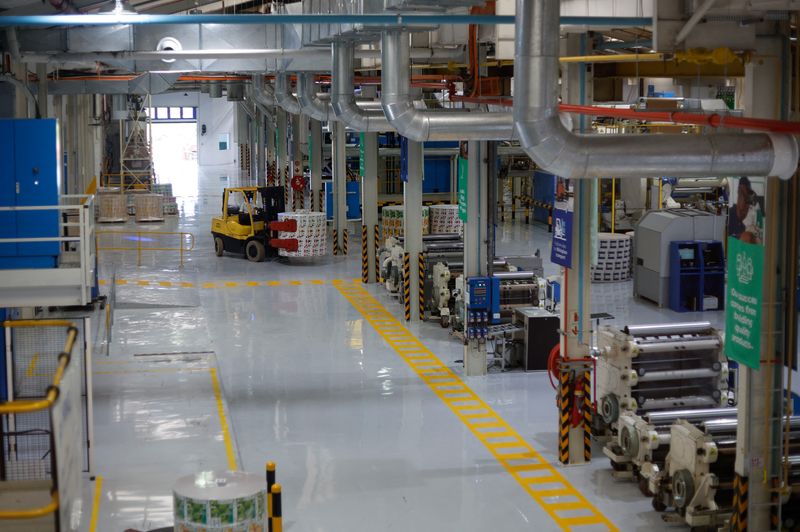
548	487
157	370
32	365
223	284
223	421
98	491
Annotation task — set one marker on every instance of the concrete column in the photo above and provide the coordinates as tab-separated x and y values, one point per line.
412	220
760	401
296	155
261	154
475	243
41	90
315	161
269	138
280	151
339	183
369	198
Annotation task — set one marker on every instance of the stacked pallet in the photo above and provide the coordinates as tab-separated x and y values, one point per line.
445	220
311	234
149	207
392	220
613	258
112	208
170	203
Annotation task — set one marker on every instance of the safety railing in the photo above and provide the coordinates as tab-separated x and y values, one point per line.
146	241
70	282
39	440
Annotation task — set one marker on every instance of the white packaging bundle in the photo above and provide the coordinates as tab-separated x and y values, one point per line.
392	220
613	258
444	219
220	501
311	234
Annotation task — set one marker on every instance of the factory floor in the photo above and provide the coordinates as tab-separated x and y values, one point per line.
226	364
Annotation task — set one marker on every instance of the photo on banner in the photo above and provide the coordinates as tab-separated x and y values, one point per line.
745	270
561	251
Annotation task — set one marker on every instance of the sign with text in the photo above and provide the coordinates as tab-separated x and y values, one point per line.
561	252
743	302
361	163
463	174
404	159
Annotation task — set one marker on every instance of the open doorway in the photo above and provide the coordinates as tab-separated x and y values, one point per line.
174	138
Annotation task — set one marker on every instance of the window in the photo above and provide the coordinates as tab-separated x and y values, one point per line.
174	114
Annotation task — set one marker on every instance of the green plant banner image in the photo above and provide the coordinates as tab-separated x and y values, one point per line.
463	173
743	302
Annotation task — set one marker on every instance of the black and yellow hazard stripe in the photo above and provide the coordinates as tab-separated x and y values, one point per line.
321	200
376	246
740	503
563	416
335	242
421	265
587	416
345	241
407	286
364	255
502	211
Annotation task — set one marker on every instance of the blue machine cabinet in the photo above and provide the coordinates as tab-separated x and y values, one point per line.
544	191
353	200
696	275
29	176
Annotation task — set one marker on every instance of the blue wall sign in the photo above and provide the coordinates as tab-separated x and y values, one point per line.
404	159
562	238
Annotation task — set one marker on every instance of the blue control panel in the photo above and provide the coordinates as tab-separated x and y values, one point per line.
483	305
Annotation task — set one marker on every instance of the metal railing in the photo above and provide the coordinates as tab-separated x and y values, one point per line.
143	240
16	410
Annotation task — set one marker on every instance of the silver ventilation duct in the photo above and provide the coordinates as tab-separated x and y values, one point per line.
343	100
215	89
263	96
310	103
559	151
235	92
420	124
283	95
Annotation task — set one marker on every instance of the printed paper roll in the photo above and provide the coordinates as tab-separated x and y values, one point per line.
311	234
220	501
392	220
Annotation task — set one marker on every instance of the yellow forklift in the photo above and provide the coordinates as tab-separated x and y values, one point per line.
249	223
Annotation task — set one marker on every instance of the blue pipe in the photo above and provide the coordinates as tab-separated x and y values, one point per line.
371	20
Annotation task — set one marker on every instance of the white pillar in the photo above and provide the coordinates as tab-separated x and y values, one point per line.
412	221
261	155
315	160
369	201
280	150
339	183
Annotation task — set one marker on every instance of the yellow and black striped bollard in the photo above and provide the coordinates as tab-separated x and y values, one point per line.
421	265
335	242
563	416
407	285
276	521
270	483
345	241
364	255
377	246
587	416
322	200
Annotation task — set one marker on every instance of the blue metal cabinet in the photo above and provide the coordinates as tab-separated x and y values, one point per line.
31	174
353	199
8	220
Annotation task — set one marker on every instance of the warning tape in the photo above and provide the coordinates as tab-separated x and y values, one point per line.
407	286
563	416
421	266
376	246
364	255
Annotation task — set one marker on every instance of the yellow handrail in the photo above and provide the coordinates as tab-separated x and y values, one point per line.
138	248
32	513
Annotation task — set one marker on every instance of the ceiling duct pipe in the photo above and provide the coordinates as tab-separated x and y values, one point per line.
559	151
420	124
263	96
284	97
215	89
343	99
310	103
235	92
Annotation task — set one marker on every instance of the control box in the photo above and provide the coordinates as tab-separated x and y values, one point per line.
483	305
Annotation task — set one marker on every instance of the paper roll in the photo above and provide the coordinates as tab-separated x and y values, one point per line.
220	501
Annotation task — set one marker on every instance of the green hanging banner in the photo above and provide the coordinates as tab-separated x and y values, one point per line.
463	174
743	302
361	163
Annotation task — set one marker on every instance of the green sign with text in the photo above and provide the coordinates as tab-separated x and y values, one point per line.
463	173
361	163
743	302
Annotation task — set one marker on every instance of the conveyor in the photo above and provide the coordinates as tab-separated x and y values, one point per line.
649	368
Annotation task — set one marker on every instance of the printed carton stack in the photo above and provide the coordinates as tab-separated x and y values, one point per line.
311	234
392	220
444	219
613	258
170	203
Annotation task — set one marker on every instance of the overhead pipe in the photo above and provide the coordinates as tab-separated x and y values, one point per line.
559	151
343	100
284	97
310	103
698	14
263	96
422	125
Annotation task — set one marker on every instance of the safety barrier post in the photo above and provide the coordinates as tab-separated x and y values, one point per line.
376	244
364	255
550	219
335	242
587	416
322	200
345	243
740	504
421	263
277	510
563	415
407	286
270	483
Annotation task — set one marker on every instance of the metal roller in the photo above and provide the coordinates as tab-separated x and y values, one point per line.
679	402
513	275
677	374
678	345
694	327
667	417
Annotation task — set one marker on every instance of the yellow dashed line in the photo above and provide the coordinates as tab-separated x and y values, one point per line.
208	285
532	472
143	283
102	282
273	283
231	284
223	421
98	491
187	285
253	283
122	282
225	284
165	283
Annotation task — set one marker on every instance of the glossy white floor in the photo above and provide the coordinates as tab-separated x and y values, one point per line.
215	373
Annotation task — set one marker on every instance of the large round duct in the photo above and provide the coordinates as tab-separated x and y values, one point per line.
236	92
205	86
119	106
215	89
